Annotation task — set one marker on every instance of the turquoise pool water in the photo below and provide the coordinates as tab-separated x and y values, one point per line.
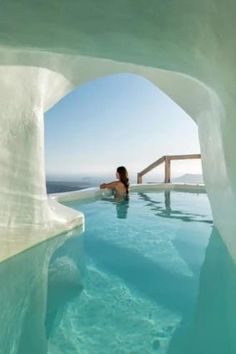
149	275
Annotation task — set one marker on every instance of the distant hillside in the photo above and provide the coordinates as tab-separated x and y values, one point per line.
189	178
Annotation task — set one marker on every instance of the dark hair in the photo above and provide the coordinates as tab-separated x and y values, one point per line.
123	175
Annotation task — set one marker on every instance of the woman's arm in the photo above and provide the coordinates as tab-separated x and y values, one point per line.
110	185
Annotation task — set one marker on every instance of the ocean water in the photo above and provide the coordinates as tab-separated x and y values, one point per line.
148	275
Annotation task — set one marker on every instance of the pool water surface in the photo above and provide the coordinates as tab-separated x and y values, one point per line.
141	279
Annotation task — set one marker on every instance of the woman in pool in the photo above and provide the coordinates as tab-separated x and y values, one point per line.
121	186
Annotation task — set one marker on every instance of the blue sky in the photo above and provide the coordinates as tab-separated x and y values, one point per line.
117	120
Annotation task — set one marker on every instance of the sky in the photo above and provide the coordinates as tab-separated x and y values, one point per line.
121	119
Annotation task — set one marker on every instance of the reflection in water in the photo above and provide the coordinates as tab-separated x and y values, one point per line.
122	208
167	202
168	212
121	204
23	297
65	274
212	329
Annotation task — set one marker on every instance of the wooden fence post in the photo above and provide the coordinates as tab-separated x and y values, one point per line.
139	179
167	169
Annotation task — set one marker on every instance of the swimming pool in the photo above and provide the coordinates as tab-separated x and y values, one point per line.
148	275
148	272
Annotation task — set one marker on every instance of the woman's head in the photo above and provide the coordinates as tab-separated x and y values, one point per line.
122	175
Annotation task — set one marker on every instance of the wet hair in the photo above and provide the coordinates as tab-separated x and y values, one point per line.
123	176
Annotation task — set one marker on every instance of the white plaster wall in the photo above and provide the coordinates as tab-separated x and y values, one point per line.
64	73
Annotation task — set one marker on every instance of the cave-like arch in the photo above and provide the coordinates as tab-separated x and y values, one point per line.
36	89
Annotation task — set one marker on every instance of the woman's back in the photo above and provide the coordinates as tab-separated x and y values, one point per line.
120	189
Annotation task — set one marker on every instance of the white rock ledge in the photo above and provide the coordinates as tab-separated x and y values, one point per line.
95	192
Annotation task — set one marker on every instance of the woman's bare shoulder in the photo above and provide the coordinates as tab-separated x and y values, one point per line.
112	184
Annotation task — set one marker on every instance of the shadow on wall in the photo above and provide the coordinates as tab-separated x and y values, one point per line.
212	329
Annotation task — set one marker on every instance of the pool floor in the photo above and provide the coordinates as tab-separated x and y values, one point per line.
148	275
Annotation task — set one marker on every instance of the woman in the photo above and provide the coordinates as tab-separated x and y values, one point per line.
120	187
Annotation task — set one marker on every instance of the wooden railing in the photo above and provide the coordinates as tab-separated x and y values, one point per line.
167	160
